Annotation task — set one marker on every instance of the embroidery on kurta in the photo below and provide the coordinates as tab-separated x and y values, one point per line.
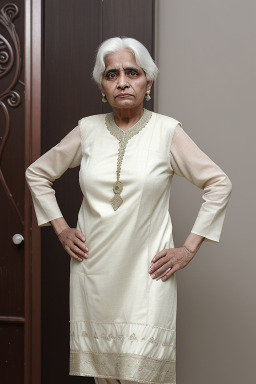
160	340
123	137
126	366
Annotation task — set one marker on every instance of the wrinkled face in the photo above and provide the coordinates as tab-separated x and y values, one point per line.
123	82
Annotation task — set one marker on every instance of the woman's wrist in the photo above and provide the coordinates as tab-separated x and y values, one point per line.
59	225
193	242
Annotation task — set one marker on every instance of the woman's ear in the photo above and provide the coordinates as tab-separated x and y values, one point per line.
102	91
149	84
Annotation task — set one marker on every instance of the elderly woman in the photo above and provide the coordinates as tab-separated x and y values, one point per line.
123	292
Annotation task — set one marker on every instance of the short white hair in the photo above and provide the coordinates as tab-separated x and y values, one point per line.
115	44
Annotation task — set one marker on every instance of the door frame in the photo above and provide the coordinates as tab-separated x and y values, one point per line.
32	235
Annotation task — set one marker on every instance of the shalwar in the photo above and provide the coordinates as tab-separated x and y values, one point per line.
123	322
102	380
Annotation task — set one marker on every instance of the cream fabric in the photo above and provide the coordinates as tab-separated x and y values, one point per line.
123	322
103	380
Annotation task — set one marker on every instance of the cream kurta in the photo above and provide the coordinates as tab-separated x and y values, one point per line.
123	322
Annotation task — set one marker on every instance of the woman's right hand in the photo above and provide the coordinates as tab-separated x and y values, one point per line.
72	241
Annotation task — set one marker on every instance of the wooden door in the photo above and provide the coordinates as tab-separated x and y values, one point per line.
19	294
12	259
71	35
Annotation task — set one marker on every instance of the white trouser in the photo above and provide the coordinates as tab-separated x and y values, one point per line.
106	380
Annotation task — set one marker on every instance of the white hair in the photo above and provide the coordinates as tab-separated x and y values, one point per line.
115	44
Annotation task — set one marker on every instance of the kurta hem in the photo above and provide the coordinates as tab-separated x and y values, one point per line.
148	352
123	366
116	377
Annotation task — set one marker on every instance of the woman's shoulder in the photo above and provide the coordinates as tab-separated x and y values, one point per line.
167	121
89	125
92	119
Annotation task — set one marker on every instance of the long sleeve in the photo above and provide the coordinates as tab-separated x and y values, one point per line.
189	161
41	174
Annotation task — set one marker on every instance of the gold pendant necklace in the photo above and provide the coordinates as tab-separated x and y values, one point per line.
123	137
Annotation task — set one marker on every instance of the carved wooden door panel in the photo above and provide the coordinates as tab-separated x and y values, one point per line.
12	260
20	348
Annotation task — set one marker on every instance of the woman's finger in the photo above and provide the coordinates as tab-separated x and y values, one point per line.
159	255
80	235
159	263
78	251
72	254
80	244
160	268
163	274
170	273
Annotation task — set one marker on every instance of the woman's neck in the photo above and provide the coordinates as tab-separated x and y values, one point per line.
126	118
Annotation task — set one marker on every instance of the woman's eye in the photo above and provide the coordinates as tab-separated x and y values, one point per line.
133	73
111	75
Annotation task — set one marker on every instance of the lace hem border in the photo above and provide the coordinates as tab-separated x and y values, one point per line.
124	366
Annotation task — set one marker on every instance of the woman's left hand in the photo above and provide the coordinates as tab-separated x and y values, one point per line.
168	261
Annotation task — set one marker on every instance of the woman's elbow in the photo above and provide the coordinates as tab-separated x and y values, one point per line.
28	174
228	185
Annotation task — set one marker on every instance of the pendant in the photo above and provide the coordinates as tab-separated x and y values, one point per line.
117	200
118	187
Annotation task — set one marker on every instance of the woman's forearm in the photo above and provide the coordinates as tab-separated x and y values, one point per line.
59	225
193	242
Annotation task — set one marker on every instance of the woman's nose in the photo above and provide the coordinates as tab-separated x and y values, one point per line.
122	80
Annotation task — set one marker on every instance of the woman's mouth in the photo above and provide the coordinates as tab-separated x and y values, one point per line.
123	95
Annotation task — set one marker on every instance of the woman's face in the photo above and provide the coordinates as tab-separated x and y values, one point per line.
123	82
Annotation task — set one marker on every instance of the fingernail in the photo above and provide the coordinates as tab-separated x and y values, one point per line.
153	275
86	249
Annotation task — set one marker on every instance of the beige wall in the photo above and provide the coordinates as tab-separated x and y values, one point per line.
207	59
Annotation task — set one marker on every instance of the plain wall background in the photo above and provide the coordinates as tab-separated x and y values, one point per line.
206	54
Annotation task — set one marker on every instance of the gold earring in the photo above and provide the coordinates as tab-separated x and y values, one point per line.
104	99
147	96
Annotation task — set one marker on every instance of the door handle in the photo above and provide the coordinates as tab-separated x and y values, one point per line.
17	239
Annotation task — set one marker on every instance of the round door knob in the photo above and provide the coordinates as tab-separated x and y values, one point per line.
17	239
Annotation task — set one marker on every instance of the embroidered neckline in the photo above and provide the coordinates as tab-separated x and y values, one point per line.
123	137
128	133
